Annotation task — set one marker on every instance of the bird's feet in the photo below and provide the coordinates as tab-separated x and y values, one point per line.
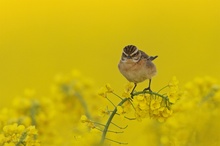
148	89
132	95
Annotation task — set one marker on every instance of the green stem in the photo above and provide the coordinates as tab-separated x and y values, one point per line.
98	123
109	121
163	88
119	126
110	101
116	141
84	104
117	95
210	94
21	140
127	117
33	112
150	92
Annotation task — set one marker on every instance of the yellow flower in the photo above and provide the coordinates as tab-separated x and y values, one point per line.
8	129
102	92
217	96
84	119
32	130
17	134
166	112
174	82
21	104
140	114
142	105
129	87
141	101
103	111
126	106
139	97
174	93
161	119
173	96
20	128
89	123
155	104
127	90
2	139
109	88
120	110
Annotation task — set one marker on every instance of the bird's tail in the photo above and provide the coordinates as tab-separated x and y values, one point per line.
153	57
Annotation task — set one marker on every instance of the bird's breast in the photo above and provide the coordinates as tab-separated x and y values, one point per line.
137	72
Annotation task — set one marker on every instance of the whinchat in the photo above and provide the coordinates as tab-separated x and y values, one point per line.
136	66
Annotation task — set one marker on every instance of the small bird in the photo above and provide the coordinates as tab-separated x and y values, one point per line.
136	66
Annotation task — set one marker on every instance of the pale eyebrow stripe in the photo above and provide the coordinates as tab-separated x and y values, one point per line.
125	53
134	52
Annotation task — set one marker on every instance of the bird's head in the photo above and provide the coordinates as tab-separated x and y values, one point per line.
131	52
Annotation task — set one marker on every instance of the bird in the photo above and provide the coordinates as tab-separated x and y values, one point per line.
136	66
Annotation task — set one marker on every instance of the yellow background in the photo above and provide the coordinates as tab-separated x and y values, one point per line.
40	38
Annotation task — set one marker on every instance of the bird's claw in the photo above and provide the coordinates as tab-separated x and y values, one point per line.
132	95
148	89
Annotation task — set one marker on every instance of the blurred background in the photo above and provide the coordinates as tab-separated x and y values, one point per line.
40	38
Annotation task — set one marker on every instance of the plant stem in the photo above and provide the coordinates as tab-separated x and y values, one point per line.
109	121
150	92
83	103
162	88
117	95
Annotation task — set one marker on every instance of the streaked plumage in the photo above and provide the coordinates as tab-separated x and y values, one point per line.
135	65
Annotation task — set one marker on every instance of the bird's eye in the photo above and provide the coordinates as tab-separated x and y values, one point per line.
136	59
123	58
124	55
134	55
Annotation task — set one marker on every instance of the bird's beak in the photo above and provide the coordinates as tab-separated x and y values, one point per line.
129	57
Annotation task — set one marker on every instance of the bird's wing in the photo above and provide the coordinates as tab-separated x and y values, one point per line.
144	55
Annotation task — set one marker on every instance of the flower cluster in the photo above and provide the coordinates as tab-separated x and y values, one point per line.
153	106
55	117
156	105
103	91
18	135
127	90
89	123
124	109
145	104
197	116
174	92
